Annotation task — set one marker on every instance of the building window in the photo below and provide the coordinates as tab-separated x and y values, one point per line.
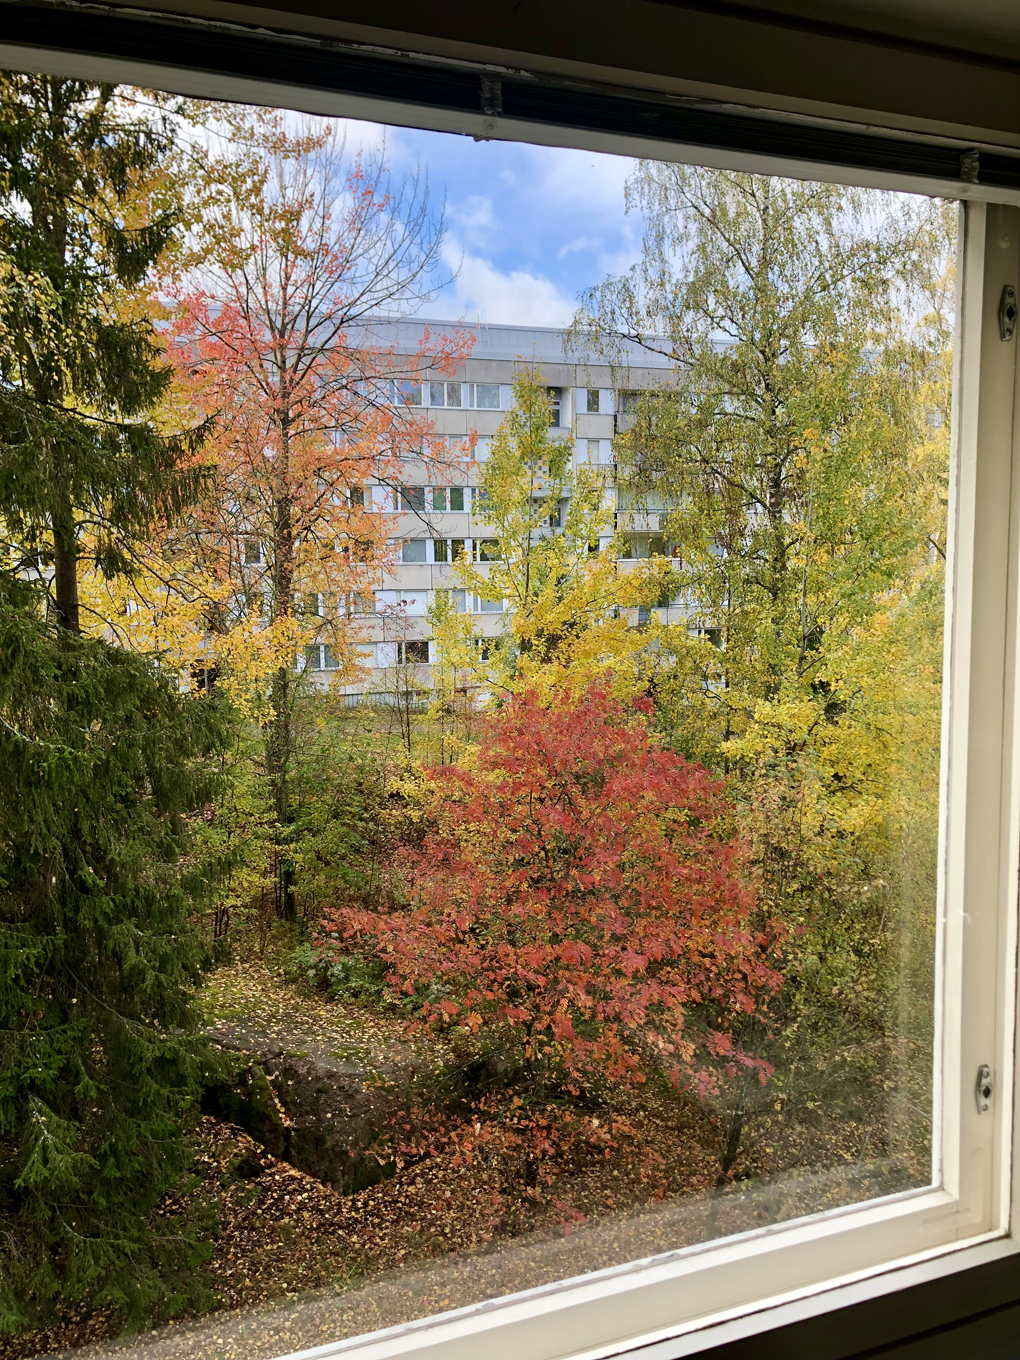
445	394
252	552
414	651
358	604
489	606
556	407
636	547
357	549
357	495
458	549
487	550
457	599
449	497
414	550
412	602
319	657
462	395
592	401
403	392
413	498
440	550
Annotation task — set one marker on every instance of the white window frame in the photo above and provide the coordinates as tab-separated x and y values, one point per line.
681	1302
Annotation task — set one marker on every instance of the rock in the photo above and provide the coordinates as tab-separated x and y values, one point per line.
310	1101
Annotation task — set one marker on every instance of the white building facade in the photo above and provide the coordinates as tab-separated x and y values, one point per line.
429	526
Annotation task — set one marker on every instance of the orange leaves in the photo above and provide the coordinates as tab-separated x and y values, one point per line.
297	246
578	904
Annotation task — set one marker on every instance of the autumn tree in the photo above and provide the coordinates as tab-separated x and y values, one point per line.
802	446
298	249
579	904
554	559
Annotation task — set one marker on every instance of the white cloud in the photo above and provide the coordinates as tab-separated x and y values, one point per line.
590	183
474	218
587	244
518	298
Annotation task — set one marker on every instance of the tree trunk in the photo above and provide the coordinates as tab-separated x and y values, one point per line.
277	767
65	564
278	745
734	1134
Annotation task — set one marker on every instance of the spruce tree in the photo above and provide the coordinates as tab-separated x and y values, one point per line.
103	758
81	225
107	760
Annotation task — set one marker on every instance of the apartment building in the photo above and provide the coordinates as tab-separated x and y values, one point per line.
430	525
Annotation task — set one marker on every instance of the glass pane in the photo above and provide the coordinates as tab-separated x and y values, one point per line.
413	550
607	935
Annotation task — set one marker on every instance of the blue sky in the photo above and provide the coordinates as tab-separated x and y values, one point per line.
527	226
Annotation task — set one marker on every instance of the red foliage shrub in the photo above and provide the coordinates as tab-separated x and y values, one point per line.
579	904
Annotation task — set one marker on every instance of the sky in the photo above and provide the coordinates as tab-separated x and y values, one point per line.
528	227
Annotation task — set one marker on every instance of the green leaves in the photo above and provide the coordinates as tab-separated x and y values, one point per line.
106	763
81	371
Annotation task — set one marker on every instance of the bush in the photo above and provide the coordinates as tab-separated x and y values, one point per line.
343	977
579	902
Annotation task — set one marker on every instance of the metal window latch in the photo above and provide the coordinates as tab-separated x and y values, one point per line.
983	1089
491	96
970	165
1007	312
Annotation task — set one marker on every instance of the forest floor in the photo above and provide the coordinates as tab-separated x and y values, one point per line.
296	1263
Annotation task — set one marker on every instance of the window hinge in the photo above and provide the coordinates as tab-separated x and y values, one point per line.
983	1088
1007	312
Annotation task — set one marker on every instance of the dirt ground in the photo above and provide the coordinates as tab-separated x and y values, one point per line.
296	1263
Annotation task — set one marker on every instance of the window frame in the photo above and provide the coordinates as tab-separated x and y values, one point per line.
682	1302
